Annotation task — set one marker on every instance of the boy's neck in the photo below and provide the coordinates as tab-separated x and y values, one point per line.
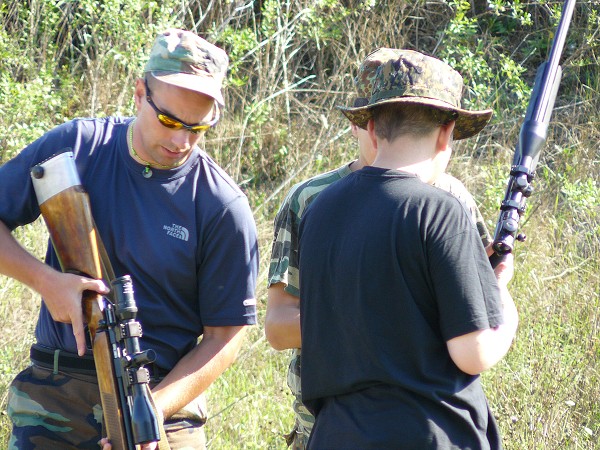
407	154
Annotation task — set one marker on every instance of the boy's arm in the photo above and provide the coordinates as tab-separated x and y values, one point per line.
480	350
282	320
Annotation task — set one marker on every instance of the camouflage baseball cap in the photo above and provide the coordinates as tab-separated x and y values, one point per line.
406	76
184	59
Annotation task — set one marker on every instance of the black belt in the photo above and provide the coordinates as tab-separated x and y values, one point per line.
56	360
60	360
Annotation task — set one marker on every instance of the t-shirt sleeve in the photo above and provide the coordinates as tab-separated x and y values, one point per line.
283	267
465	285
228	272
453	185
18	202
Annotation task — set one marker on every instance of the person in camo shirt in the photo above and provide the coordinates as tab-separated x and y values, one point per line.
282	322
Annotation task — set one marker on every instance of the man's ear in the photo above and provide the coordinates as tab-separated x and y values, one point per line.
445	136
139	93
371	130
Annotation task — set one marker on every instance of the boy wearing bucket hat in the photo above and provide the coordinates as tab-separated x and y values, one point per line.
171	219
401	310
282	322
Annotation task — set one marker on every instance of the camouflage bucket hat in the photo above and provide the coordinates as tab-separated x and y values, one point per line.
183	59
406	76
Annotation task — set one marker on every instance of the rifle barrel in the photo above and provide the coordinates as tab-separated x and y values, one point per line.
532	137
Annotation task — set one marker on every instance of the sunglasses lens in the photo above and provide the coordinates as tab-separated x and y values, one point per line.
168	122
199	128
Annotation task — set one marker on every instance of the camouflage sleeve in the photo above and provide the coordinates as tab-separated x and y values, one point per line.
455	187
283	267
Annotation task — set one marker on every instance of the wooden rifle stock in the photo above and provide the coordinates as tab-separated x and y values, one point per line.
65	207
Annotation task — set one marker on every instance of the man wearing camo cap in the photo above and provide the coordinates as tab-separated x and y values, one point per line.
169	217
401	310
282	322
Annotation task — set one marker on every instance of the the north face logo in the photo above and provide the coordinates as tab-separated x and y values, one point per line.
177	231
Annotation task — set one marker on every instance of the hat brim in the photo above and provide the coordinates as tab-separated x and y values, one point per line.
468	123
194	82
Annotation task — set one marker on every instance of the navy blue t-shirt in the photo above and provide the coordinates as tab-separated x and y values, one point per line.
390	270
186	236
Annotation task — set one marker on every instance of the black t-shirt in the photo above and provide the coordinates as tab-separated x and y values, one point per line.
390	269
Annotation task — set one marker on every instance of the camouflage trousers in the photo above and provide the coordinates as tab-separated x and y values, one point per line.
60	411
297	439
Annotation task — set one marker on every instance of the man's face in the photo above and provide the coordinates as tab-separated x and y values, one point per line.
157	143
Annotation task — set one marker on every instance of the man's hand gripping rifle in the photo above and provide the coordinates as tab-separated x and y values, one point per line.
531	139
129	416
